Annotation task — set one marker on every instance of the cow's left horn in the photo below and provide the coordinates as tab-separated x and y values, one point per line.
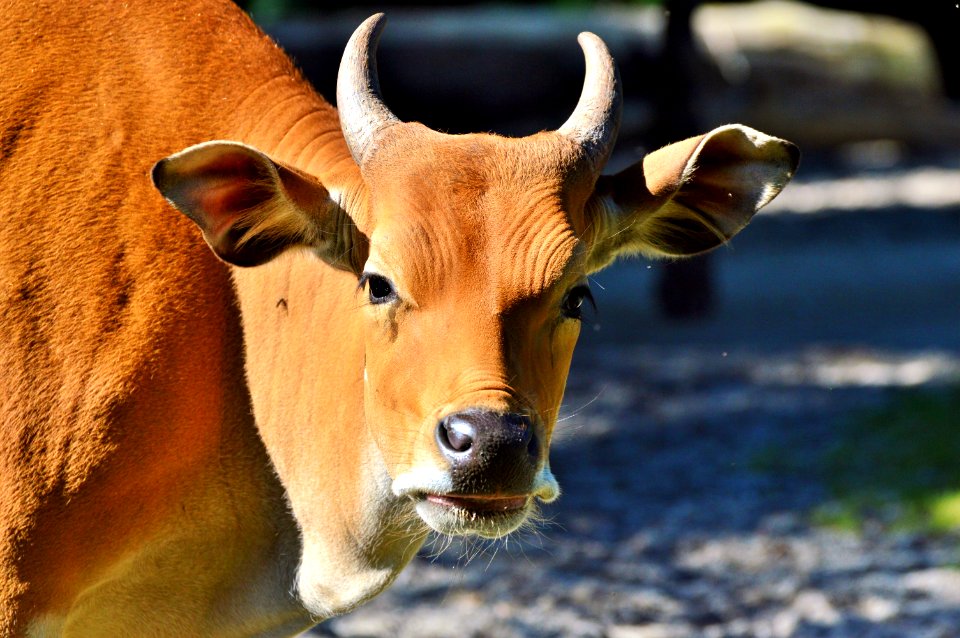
596	119
362	111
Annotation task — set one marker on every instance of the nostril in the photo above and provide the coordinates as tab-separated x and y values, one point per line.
533	447
521	427
455	434
517	420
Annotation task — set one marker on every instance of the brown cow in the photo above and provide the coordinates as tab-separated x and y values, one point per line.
194	448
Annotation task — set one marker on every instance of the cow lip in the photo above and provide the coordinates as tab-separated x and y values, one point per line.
486	516
479	504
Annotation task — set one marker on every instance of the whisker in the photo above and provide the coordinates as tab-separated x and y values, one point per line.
578	410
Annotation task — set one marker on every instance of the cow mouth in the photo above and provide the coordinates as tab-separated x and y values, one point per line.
492	515
485	516
480	504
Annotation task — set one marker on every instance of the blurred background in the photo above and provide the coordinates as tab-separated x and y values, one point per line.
763	442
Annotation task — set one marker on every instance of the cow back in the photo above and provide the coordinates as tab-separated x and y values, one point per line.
120	346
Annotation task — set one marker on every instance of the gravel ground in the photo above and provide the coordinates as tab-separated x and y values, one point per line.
672	523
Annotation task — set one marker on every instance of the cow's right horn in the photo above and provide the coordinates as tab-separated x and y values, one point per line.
362	111
595	121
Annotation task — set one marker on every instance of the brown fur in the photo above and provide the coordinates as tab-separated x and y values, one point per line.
121	347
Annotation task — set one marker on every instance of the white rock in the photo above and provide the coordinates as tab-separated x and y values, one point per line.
877	609
940	583
656	630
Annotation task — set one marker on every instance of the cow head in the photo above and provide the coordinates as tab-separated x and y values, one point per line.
471	255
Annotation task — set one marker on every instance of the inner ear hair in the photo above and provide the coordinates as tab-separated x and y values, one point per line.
689	197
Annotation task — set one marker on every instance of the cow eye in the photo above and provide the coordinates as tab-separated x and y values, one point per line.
379	288
573	303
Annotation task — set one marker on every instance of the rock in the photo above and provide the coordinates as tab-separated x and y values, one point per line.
940	583
650	631
877	609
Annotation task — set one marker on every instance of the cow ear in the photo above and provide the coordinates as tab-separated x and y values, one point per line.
251	208
688	197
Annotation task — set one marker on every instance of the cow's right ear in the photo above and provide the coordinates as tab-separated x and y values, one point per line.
251	208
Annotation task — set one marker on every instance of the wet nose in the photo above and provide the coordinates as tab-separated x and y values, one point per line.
489	452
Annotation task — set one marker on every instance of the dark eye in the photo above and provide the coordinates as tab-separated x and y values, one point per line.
573	303
378	287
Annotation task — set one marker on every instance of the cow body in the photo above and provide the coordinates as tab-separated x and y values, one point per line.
193	447
135	488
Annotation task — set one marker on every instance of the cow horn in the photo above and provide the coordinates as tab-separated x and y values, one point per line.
596	119
362	111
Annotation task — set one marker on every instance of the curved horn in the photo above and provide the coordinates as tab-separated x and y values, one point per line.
362	112
596	119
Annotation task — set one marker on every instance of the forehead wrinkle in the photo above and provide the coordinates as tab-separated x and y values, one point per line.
481	213
432	232
534	244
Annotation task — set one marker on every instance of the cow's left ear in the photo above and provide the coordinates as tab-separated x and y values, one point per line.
251	208
688	197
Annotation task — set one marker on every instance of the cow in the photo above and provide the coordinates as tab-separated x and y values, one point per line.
247	440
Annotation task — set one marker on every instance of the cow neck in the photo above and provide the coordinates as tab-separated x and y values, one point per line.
286	119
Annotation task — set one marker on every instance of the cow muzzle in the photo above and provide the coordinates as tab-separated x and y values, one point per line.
493	477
